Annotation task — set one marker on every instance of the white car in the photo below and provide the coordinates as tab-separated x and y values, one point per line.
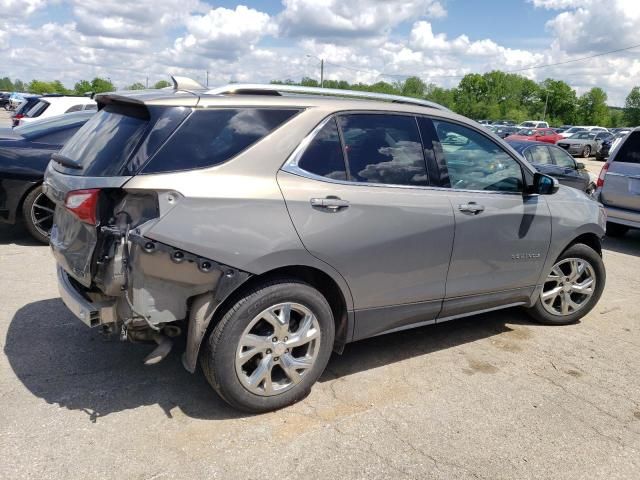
534	124
579	128
51	106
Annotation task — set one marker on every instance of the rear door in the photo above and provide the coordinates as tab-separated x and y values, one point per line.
502	236
622	182
366	208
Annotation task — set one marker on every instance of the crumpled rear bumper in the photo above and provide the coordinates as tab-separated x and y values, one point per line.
90	313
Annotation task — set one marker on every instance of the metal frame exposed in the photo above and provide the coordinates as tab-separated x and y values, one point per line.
276	89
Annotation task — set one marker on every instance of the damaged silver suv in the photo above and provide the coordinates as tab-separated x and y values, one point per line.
274	224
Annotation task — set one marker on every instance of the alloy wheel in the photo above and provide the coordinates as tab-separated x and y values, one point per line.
277	349
568	287
42	214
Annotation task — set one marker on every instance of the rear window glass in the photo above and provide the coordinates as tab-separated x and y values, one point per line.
213	136
630	150
103	145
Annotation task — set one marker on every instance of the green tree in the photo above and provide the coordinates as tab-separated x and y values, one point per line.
592	107
135	86
471	95
6	84
413	87
309	82
58	87
443	96
99	85
632	107
40	87
162	84
82	87
562	101
18	85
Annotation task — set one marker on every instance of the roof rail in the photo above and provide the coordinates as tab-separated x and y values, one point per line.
275	89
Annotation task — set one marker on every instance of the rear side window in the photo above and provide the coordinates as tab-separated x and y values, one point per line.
383	149
630	150
104	144
75	108
38	109
210	137
324	155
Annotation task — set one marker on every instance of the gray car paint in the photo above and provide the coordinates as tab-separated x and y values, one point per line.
235	215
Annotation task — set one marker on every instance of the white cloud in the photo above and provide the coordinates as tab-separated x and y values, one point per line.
20	8
355	18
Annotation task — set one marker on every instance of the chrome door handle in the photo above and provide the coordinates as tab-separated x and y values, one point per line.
471	207
331	204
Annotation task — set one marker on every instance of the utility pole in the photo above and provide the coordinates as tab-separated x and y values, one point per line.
545	106
207	78
322	73
147	84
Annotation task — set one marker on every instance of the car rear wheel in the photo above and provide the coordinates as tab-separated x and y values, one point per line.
586	151
616	230
572	287
37	211
270	347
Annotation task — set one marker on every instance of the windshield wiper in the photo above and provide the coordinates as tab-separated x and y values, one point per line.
65	161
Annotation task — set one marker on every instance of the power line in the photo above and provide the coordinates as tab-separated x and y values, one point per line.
523	69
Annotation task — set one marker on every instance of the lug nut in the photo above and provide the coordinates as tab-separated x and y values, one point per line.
285	339
268	351
274	339
276	359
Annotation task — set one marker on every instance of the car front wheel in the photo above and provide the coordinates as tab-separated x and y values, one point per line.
572	287
270	347
586	151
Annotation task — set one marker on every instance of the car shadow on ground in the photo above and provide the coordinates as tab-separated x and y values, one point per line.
17	235
628	244
65	363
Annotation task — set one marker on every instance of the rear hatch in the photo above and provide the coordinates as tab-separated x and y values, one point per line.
621	187
86	177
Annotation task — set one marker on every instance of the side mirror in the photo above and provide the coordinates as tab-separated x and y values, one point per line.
580	166
545	184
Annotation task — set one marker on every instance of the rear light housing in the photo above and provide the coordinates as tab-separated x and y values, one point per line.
603	173
19	115
83	204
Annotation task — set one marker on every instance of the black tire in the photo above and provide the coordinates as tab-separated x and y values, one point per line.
616	230
581	251
591	189
39	233
219	353
586	151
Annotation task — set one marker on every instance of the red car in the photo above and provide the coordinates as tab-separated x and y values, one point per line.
536	134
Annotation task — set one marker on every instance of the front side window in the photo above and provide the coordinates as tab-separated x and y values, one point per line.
212	136
474	162
324	155
383	149
538	155
562	158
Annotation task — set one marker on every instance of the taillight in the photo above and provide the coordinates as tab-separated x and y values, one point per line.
19	115
603	173
83	204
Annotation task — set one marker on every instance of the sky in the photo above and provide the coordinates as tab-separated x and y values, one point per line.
360	40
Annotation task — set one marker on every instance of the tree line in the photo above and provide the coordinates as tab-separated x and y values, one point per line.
494	95
97	85
498	95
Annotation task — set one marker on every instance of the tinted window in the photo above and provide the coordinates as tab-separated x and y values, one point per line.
75	108
539	155
383	149
91	106
629	151
475	162
103	145
210	137
562	158
324	155
37	110
42	127
59	137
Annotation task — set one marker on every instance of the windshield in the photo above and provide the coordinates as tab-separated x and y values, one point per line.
583	136
528	124
35	128
574	130
529	132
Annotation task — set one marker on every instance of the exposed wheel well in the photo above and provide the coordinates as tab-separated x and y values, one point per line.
18	214
314	277
588	239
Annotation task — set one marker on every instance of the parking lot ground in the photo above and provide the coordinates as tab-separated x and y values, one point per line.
494	396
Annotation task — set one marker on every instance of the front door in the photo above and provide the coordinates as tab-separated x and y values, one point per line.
375	219
502	236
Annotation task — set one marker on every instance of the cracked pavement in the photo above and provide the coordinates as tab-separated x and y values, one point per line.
489	397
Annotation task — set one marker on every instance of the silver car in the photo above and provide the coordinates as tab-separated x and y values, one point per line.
584	143
619	185
275	224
